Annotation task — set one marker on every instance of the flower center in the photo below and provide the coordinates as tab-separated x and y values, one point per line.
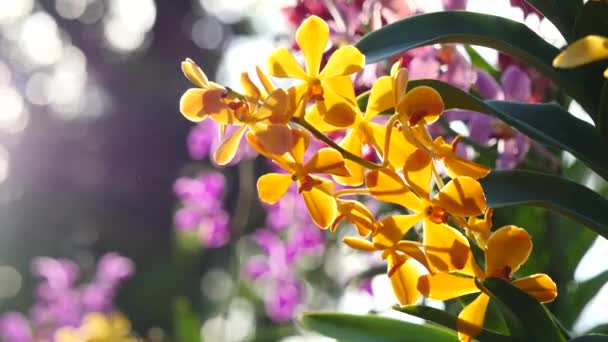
436	214
315	91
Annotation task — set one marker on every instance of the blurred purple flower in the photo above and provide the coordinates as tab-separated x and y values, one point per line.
285	296
515	85
60	301
204	138
14	327
202	208
455	5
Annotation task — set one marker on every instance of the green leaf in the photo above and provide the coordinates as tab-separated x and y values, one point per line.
591	338
602	121
445	319
357	328
580	293
478	61
515	187
545	123
499	33
562	13
186	322
535	319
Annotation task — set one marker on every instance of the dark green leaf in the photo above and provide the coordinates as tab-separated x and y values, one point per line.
445	319
357	328
602	120
499	33
546	123
591	338
592	19
535	319
562	13
515	187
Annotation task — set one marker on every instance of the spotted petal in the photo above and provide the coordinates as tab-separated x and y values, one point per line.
539	286
446	248
345	61
281	63
387	186
320	203
506	250
462	196
471	318
418	171
421	105
403	281
328	161
444	286
393	228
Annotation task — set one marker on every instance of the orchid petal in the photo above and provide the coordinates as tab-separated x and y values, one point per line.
462	196
273	186
343	62
585	50
228	148
387	186
281	63
404	281
539	286
506	250
312	37
471	318
445	286
321	205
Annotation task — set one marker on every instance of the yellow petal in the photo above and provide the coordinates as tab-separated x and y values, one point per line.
328	161
404	280
446	248
387	186
358	214
399	148
444	286
67	334
228	148
265	80
352	143
191	104
471	318
281	63
412	249
315	118
250	89
276	139
273	186
380	97
393	228
300	145
506	250
341	85
336	110
418	171
585	50
400	79
457	167
462	196
312	37
359	244
320	204
420	105
194	74
539	286
275	108
344	61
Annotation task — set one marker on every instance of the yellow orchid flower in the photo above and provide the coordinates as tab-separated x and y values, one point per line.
506	250
316	191
267	121
454	164
362	131
446	247
387	238
97	327
196	104
583	51
319	85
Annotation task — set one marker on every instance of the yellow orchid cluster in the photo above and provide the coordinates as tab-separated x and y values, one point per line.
280	123
98	327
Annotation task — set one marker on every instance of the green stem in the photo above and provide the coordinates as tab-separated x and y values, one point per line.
346	154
